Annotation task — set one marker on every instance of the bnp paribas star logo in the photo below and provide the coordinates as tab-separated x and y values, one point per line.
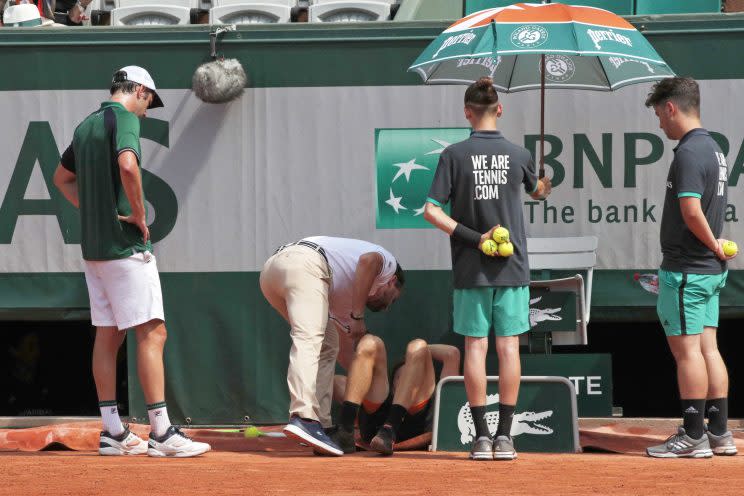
406	162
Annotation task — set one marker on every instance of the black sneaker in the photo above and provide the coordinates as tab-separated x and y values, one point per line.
383	441
343	438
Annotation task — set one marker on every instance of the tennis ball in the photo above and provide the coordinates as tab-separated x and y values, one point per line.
501	235
506	249
489	247
251	431
730	248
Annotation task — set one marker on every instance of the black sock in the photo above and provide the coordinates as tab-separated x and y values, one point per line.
506	415
349	413
717	412
693	417
479	420
395	417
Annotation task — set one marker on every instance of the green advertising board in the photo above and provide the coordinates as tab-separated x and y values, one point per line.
590	374
545	420
406	161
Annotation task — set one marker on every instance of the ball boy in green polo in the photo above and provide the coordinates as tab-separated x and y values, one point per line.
693	271
100	174
482	178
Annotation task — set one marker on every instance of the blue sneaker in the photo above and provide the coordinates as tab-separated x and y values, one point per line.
312	433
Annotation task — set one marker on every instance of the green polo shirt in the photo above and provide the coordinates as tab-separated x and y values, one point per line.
93	158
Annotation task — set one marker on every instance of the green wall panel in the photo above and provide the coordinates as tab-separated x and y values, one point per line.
311	55
227	350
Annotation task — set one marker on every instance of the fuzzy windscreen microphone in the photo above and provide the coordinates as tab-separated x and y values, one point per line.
221	80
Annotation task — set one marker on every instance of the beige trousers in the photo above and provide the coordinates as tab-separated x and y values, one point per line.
296	282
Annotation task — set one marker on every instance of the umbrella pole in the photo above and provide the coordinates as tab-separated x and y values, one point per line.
542	115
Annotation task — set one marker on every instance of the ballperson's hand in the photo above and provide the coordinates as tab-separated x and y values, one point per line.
719	250
486	236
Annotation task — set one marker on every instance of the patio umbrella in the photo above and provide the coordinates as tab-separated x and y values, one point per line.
528	46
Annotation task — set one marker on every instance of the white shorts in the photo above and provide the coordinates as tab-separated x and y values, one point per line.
124	293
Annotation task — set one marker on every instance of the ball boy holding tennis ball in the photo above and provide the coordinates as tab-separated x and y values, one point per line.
693	271
482	177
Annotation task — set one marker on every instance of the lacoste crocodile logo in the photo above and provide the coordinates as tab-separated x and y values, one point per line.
538	315
523	423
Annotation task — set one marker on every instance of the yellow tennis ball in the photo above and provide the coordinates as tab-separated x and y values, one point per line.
501	235
489	247
251	431
730	248
506	249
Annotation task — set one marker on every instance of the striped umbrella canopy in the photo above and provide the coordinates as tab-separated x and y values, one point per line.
528	46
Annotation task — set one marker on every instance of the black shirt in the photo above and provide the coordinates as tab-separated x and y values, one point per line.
61	8
699	170
483	177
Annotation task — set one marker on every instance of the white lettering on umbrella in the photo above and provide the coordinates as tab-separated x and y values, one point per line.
598	36
489	63
458	39
618	61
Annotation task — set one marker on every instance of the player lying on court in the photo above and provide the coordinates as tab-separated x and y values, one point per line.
391	412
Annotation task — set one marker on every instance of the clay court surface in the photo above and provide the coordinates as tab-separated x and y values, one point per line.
297	473
62	460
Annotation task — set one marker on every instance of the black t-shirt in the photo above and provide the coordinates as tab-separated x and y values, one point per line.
699	170
61	8
483	177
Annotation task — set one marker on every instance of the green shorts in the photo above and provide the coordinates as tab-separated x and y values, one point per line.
688	302
506	309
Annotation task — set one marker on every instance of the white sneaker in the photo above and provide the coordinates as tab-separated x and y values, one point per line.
176	444
125	443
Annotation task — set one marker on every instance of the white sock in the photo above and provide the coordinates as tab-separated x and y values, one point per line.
110	416
159	421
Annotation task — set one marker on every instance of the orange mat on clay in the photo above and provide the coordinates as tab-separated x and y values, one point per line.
615	436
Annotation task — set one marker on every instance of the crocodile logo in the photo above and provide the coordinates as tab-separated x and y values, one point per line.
524	422
538	315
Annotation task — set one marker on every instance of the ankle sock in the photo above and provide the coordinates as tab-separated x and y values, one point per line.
349	411
479	420
717	413
693	417
110	416
159	421
506	415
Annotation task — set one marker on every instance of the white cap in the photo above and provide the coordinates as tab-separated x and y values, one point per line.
138	75
24	15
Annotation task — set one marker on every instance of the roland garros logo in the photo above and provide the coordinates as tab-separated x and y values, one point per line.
529	36
559	68
457	39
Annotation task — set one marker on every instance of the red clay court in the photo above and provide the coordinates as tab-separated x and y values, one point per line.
277	466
